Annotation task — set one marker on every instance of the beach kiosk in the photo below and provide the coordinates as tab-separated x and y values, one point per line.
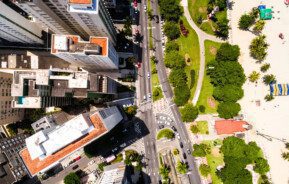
266	14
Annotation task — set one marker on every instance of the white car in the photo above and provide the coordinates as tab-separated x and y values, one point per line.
145	8
149	75
149	95
91	162
144	97
122	145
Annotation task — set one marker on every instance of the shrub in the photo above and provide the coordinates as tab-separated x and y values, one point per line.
205	170
201	150
182	95
228	93
222	28
228	52
72	178
184	30
269	97
102	165
200	20
130	111
194	129
182	168
261	166
176	151
228	109
202	108
189	112
171	30
246	21
172	46
166	133
164	172
269	79
177	77
254	76
174	60
254	13
265	67
259	26
258	48
193	75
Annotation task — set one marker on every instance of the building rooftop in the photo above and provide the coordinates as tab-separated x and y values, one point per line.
73	44
83	6
80	1
62	143
230	126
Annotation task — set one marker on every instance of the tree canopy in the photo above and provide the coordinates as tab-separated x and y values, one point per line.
174	60
182	168
172	30
201	150
246	21
261	166
189	112
177	77
165	133
205	169
222	29
228	110
258	48
228	52
71	178
228	93
170	10
224	73
172	46
182	95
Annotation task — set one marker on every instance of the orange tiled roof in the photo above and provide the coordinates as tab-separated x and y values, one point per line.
229	126
102	42
80	1
36	165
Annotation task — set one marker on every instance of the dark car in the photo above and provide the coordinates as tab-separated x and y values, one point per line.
75	167
174	128
181	145
161	126
185	156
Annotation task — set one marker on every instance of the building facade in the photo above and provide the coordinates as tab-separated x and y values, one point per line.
97	54
16	28
84	18
7	113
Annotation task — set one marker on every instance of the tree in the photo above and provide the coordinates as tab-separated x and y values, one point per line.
174	60
205	169
127	26
246	21
172	46
287	145
228	110
171	30
170	10
71	178
182	95
150	14
202	108
285	156
269	97
154	59
182	168
166	133
189	112
222	4
258	48
261	166
157	92
176	151
201	150
102	165
259	26
194	129
222	28
224	73
254	76
265	67
254	13
269	79
228	93
130	111
164	172
228	52
230	175
177	77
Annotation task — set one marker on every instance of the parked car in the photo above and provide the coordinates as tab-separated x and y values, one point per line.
149	95
185	156
174	128
122	145
75	167
181	145
149	75
144	97
161	126
189	151
145	8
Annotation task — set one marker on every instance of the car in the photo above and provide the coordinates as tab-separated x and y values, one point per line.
161	126
145	8
149	95
181	145
144	97
125	130
122	145
185	156
114	150
174	128
189	151
91	162
75	167
149	75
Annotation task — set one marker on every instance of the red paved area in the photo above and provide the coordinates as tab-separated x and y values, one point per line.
35	166
229	126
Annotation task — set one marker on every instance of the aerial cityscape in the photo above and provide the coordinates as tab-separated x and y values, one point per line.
144	92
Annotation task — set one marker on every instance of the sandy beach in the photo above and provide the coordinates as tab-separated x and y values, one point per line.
271	119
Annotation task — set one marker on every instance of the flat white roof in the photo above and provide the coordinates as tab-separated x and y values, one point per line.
34	146
66	134
60	42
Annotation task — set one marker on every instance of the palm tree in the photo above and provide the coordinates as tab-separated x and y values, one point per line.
259	26
182	168
269	79
285	156
164	172
254	76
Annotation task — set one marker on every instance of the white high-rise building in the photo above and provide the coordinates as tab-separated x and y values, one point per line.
81	17
97	54
16	28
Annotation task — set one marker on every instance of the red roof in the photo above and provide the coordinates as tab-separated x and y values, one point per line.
230	126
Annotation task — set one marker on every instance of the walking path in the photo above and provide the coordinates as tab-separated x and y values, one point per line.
202	37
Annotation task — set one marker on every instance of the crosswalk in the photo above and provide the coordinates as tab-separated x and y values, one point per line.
162	107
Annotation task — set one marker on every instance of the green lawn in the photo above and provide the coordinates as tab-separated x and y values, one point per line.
190	45
119	158
207	27
155	82
203	127
214	160
206	99
165	133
